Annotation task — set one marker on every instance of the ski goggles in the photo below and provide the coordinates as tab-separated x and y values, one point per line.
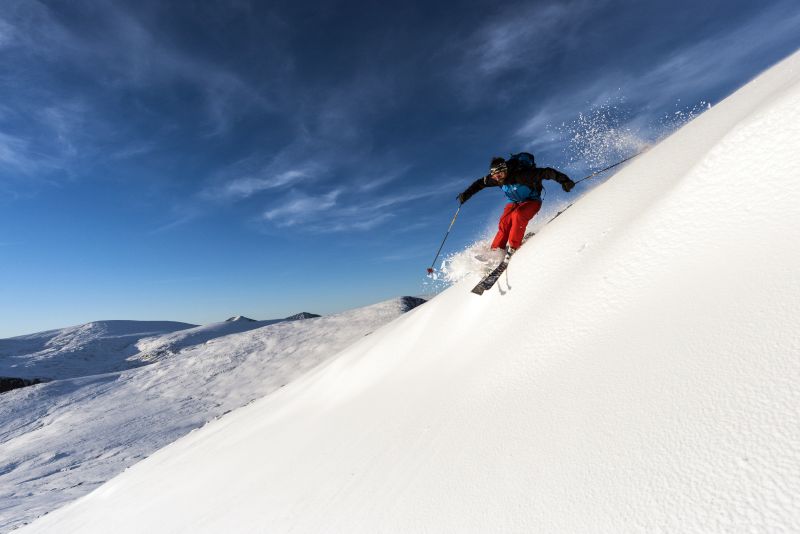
497	169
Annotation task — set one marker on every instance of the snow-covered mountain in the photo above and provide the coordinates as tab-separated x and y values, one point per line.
107	346
636	369
62	439
92	348
156	347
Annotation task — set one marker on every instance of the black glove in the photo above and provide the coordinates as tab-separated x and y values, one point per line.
567	187
462	198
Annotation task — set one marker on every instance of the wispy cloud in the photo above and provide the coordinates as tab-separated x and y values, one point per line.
123	53
132	150
404	254
179	215
277	134
249	184
506	42
348	210
328	127
694	70
23	164
43	145
352	225
6	34
139	58
331	145
13	154
330	138
64	123
714	61
517	39
300	207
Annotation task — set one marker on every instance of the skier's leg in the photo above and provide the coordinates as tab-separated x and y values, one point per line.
519	219
503	227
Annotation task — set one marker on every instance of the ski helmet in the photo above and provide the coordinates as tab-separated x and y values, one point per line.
498	165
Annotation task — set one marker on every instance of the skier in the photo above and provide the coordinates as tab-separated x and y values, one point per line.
521	181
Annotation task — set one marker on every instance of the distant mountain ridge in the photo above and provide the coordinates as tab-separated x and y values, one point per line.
302	315
296	316
239	318
91	348
106	346
115	345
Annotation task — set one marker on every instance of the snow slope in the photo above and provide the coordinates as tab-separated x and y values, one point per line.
60	440
157	347
108	346
636	370
91	348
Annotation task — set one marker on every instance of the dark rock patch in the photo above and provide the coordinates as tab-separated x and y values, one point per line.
8	383
409	303
302	315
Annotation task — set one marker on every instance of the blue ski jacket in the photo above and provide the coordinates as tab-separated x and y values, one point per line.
521	186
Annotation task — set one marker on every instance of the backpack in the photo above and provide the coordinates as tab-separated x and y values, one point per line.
523	161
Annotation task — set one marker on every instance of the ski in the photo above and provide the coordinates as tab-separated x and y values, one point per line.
489	280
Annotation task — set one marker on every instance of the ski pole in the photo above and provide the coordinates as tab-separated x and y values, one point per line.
430	269
611	166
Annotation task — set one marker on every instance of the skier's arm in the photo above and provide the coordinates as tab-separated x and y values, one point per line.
551	174
477	185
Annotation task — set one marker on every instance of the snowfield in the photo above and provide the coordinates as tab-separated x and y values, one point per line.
60	440
92	348
635	370
157	347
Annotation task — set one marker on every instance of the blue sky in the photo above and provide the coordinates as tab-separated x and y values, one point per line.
196	160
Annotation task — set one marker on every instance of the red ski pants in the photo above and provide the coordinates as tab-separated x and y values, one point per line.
513	222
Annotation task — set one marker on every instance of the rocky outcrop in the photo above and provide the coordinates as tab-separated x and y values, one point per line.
409	303
8	383
302	315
